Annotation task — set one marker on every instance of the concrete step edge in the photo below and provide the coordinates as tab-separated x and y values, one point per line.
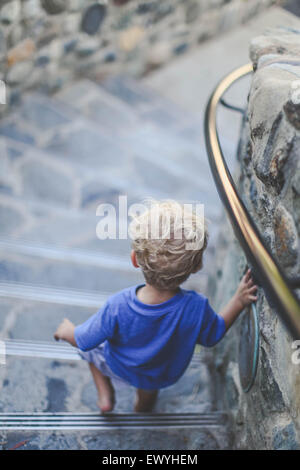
38	293
93	258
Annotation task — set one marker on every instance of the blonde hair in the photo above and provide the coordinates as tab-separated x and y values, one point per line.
169	240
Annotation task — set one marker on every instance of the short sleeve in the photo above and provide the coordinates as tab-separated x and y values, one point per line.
95	330
212	327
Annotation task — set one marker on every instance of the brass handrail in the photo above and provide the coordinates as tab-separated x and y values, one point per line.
265	268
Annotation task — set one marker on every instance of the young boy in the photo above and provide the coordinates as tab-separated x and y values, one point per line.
145	335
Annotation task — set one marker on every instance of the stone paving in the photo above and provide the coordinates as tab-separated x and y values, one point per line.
61	157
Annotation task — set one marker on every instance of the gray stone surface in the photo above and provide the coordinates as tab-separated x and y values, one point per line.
13	131
10	12
285	438
41	180
19	73
11	219
42	114
273	44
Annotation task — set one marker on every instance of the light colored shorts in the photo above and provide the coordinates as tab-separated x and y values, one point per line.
96	357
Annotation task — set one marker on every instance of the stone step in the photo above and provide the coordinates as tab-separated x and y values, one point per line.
121	103
53	385
27	125
94	421
47	224
132	93
149	136
110	264
147	103
160	165
62	273
56	235
85	257
199	437
121	431
47	350
95	103
30	317
89	258
42	222
66	386
52	294
43	234
32	173
36	174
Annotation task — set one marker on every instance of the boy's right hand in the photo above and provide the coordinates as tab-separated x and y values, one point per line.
65	331
245	293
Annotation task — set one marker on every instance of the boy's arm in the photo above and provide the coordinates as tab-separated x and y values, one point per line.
95	330
242	297
65	331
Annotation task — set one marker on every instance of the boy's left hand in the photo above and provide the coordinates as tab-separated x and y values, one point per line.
65	331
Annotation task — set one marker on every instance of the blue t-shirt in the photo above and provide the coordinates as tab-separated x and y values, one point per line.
150	346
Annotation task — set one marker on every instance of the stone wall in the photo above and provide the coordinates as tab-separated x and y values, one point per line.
46	43
268	415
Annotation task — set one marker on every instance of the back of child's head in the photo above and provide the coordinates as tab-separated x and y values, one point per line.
169	239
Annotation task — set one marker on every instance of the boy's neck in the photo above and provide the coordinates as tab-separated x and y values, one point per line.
150	295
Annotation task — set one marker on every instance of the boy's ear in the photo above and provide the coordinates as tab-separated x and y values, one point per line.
133	259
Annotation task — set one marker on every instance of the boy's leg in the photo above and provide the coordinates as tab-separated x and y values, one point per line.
145	400
106	392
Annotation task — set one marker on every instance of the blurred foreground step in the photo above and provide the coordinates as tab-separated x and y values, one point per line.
95	421
123	431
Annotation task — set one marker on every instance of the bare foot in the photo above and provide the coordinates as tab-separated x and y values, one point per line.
105	404
106	399
106	392
145	400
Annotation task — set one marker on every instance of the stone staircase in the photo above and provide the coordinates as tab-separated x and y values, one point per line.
60	158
